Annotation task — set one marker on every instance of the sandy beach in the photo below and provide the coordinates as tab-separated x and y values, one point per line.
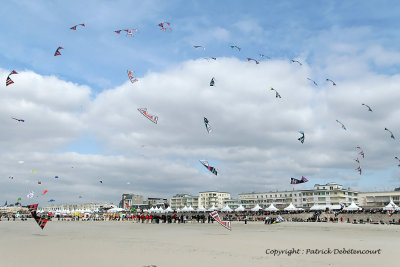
114	243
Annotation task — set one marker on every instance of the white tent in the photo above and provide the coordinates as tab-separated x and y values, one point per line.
168	210
178	210
115	210
190	208
391	206
240	208
185	209
212	208
151	210
256	208
291	207
352	207
201	209
317	207
272	208
226	209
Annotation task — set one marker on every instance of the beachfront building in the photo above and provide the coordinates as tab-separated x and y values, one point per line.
156	202
182	200
378	199
328	194
209	198
232	203
129	200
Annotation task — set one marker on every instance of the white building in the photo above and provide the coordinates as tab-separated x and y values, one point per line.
378	199
209	198
182	200
328	194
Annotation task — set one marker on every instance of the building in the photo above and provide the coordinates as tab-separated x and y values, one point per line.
378	199
328	194
232	203
182	200
129	200
209	198
156	202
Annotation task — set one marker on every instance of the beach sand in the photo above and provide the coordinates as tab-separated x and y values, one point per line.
116	243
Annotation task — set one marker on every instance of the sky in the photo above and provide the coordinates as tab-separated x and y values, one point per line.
80	111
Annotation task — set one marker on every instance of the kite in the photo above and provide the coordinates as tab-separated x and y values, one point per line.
359	169
19	120
39	182
301	139
313	81
199	46
369	108
133	79
296	62
74	27
398	160
391	134
163	27
9	81
341	124
40	221
333	83
34	171
361	151
19	199
262	55
152	118
211	169
297	181
212	82
226	224
118	32
51	200
45	191
249	59
11	177
129	32
208	127
30	195
209	58
277	95
80	197
56	177
356	160
57	53
101	182
237	47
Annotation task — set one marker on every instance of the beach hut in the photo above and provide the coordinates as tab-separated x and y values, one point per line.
201	209
272	208
226	209
352	207
256	208
213	208
240	208
291	207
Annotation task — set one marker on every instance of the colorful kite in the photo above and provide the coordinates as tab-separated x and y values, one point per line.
51	200
333	83
391	134
164	27
226	224
356	160
34	171
301	139
277	95
249	59
57	53
118	32
44	192
211	169
152	118
296	62
212	82
131	78
237	47
56	177
40	221
341	124
19	120
74	27
361	151
199	46
369	108
297	181
312	81
359	169
9	81
129	32
208	127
